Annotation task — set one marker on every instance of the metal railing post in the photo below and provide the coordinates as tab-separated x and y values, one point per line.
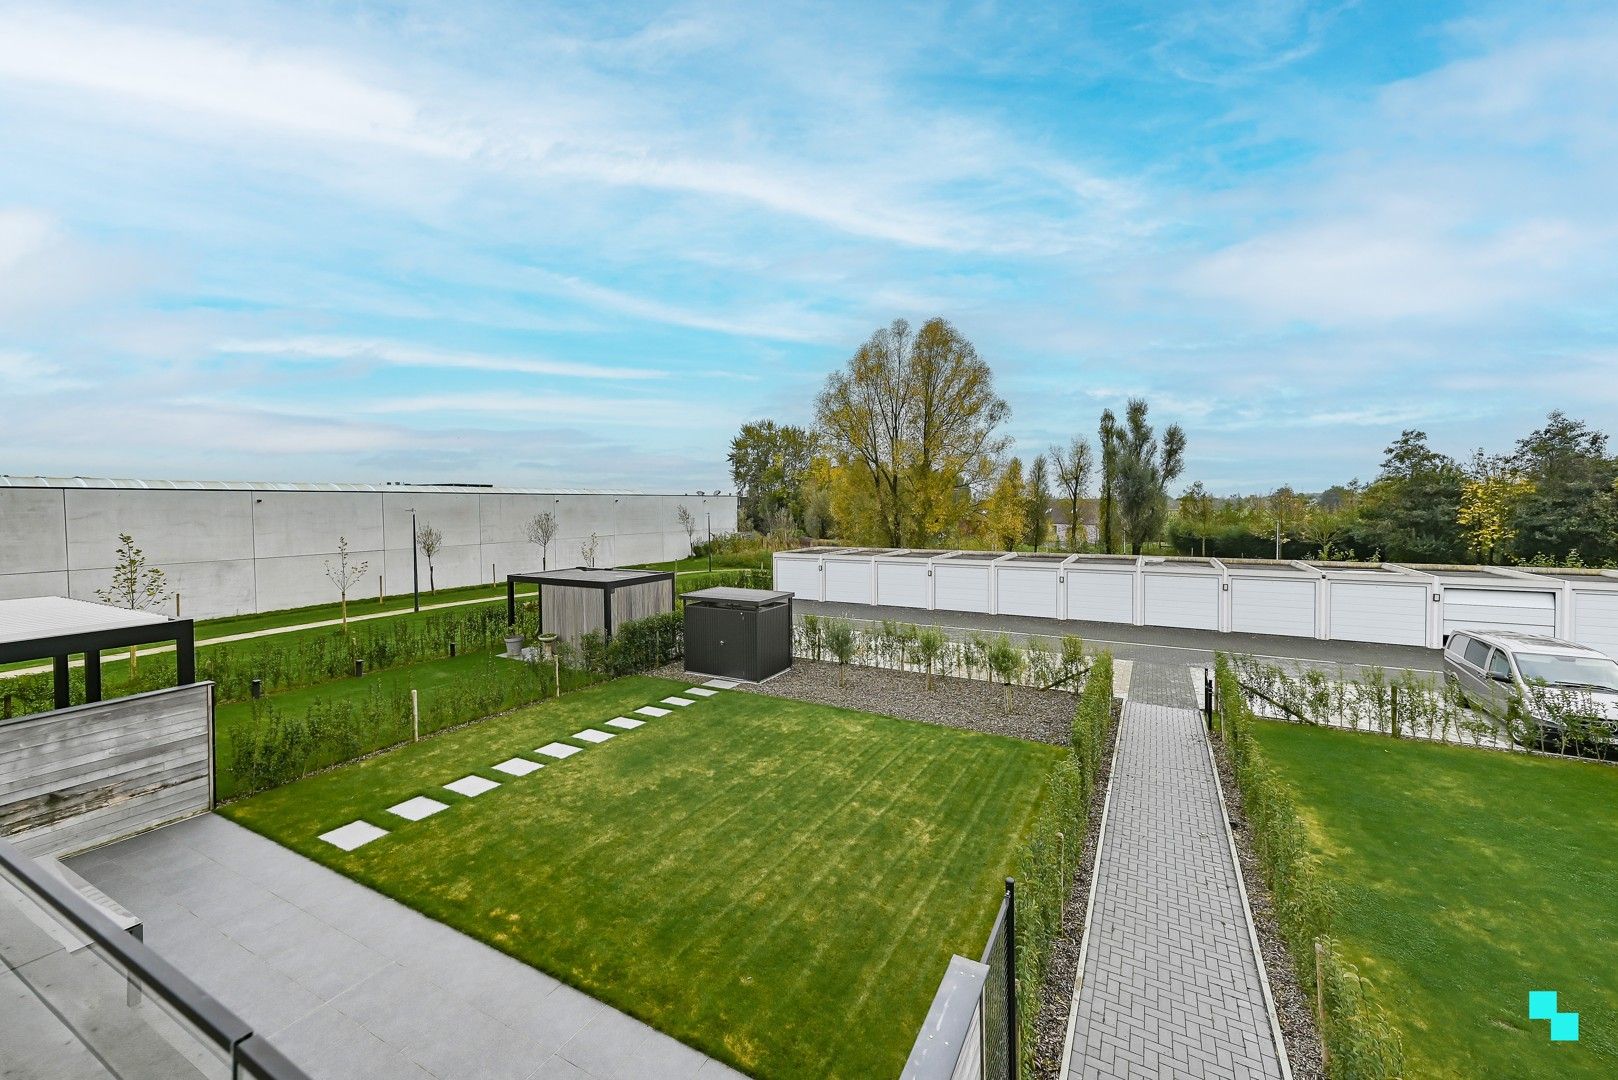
1011	975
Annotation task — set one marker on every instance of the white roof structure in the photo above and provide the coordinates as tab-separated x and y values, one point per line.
7	480
34	617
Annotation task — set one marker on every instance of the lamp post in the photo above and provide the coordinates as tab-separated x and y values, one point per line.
708	514
415	573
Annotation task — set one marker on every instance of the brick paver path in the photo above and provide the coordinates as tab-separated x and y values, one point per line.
1170	983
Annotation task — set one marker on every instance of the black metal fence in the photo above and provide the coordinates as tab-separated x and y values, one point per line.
971	1029
1000	992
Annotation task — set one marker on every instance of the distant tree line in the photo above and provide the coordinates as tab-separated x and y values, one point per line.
1552	499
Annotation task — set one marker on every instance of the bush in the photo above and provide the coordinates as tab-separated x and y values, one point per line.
749	578
646	644
1361	1039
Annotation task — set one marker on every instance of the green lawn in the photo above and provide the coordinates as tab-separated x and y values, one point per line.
777	883
1469	878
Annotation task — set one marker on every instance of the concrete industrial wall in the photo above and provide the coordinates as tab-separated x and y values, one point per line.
230	551
76	778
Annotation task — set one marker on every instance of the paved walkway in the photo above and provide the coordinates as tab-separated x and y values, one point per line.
1170	985
353	986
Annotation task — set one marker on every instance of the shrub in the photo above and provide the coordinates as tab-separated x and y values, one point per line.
841	642
646	644
1006	661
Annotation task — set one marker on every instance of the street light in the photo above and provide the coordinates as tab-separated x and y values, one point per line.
415	573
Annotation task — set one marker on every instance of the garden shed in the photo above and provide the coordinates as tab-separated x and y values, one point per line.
738	633
576	601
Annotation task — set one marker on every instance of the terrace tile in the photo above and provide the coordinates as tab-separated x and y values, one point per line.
416	809
471	786
652	710
591	735
680	701
558	750
354	834
518	766
625	722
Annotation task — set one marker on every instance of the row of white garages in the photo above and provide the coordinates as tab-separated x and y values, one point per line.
1376	602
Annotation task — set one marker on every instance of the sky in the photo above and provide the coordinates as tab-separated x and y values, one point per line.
568	247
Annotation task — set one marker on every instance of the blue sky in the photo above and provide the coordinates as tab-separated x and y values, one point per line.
523	244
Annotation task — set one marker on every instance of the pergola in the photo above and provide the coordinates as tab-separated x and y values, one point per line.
579	599
56	628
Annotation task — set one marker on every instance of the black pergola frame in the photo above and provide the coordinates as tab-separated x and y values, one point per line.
539	579
89	643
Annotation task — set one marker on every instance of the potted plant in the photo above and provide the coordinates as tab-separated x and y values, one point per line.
513	641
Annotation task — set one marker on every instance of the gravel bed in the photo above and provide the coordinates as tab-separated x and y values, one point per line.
1294	1005
1056	996
1037	715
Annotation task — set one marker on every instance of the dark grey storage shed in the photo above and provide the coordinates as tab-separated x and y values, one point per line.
738	633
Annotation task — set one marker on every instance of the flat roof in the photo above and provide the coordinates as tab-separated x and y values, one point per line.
918	554
1039	557
726	594
7	480
979	556
592	576
1582	577
33	618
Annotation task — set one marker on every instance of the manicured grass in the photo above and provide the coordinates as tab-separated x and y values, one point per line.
777	883
1469	878
357	605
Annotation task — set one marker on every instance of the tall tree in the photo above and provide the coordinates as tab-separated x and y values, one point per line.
1037	503
1198	510
915	419
1567	463
1491	496
1107	437
1409	512
1073	468
1005	512
1144	466
1287	510
768	463
135	585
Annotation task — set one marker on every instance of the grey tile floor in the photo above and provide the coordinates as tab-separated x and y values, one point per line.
1170	983
351	985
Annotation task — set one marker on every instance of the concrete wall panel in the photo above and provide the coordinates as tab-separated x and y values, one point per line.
48	583
33	531
168	526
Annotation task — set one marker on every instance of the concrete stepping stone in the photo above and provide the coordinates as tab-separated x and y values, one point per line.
354	834
518	766
680	701
419	807
471	786
652	710
590	734
699	691
721	684
558	750
625	722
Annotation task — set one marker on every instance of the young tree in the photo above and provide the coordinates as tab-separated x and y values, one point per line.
688	522
1490	499
1006	661
430	540
135	585
926	647
1107	438
1006	513
1073	468
1199	511
345	575
541	530
1144	467
1037	503
589	549
913	417
839	639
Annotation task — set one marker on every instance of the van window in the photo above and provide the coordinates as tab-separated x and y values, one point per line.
1457	643
1476	652
1498	664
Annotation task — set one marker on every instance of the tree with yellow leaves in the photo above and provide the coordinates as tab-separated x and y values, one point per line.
1490	497
1006	512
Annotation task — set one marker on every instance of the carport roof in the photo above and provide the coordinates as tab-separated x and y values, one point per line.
35	618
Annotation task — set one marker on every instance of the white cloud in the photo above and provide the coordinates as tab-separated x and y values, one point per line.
401	354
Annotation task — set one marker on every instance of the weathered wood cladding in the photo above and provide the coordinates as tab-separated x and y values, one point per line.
641	601
572	612
75	778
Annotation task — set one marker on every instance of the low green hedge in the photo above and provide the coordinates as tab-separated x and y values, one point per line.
1361	1041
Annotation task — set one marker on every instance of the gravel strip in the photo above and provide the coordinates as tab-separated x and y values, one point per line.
1294	1006
1056	996
1036	715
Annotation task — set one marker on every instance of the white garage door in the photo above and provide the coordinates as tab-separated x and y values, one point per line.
800	577
1499	609
1101	595
1387	614
960	588
1187	600
1026	591
900	584
1595	620
848	581
1272	606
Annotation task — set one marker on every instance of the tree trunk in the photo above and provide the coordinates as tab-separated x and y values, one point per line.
345	612
134	657
432	585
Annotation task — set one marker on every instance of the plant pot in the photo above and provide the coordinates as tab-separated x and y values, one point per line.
514	645
548	643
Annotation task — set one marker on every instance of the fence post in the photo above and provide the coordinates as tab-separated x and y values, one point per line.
1394	713
415	714
1207	697
1011	974
1320	1007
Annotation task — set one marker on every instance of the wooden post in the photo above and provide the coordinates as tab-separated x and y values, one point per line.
381	598
1320	1005
415	714
176	605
